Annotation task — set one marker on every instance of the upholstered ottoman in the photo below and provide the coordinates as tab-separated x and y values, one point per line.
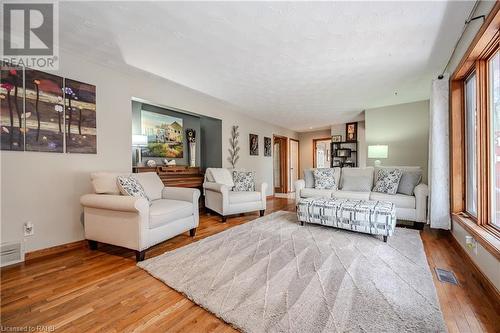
367	216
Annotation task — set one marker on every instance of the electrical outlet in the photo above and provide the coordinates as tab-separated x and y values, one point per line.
29	229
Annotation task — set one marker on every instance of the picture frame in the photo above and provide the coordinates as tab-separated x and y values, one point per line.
351	132
267	146
336	138
254	144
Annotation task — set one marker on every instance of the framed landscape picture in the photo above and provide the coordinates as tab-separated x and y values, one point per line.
254	144
44	112
165	135
11	108
80	117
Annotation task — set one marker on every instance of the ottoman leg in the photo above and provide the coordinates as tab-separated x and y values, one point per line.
385	239
302	223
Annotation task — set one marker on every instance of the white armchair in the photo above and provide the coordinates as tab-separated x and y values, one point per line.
221	199
133	223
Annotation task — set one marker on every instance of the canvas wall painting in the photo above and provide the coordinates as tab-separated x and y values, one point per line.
80	118
44	112
11	108
254	144
165	135
267	146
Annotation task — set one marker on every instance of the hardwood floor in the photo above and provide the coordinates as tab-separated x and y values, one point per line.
87	291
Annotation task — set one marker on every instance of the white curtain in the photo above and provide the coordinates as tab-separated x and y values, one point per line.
439	158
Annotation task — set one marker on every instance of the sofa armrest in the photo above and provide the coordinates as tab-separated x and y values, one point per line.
122	203
210	186
299	185
181	193
421	193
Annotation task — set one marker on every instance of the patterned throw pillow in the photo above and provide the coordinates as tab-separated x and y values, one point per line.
130	186
243	181
387	181
324	179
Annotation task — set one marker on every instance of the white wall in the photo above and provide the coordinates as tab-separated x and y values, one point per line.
45	187
405	129
486	261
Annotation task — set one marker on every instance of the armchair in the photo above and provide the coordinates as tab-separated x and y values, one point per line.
221	199
133	222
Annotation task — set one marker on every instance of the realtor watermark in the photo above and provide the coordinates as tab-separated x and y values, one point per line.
37	328
31	34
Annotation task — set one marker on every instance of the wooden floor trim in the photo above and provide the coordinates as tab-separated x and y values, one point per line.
54	250
489	288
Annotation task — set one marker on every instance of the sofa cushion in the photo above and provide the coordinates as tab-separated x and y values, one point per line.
387	181
409	180
350	173
400	200
131	186
314	192
309	178
163	211
236	197
355	195
106	182
220	176
324	178
244	181
152	184
357	183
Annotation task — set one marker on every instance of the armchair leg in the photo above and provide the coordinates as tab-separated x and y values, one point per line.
224	219
385	239
92	244
192	232
139	255
262	211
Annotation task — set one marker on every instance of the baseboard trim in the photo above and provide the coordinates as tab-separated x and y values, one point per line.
54	250
483	280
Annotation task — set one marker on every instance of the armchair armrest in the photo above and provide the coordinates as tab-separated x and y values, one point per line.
210	186
181	193
421	193
121	203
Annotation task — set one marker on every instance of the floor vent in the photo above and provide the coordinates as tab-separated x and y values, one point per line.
446	276
10	253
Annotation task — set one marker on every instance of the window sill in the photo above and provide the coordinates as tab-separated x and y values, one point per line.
487	238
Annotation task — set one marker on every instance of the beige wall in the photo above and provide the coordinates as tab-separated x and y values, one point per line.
45	188
405	129
306	148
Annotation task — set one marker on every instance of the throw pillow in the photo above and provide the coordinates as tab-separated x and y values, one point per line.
309	178
408	181
324	178
387	181
356	183
243	181
130	186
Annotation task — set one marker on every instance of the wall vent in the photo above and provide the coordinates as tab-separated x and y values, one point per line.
10	253
446	276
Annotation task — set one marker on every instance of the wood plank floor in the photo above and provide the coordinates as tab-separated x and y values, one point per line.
89	291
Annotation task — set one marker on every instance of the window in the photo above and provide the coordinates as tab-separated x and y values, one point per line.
470	147
494	106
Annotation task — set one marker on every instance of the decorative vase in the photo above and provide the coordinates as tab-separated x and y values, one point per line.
192	154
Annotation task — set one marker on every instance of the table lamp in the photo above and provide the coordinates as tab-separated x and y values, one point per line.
139	141
378	152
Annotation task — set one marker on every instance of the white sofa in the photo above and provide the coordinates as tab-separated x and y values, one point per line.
408	207
220	198
133	223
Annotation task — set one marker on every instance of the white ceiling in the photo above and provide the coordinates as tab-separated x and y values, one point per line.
295	64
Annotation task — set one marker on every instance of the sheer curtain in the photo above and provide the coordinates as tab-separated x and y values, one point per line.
439	148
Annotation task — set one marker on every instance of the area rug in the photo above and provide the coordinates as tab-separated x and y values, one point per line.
273	275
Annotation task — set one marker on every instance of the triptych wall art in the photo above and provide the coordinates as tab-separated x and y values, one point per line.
46	113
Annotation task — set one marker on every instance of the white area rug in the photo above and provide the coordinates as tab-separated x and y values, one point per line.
272	275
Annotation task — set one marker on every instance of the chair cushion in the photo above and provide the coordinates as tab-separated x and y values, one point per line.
163	211
314	192
130	186
324	178
387	181
309	178
409	180
350	173
106	182
236	197
355	195
152	184
220	176
244	181
400	200
357	183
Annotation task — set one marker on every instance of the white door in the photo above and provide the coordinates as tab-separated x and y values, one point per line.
294	164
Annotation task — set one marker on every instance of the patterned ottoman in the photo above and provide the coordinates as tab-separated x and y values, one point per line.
368	216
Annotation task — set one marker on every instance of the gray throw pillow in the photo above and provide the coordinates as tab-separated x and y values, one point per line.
324	179
387	181
243	181
309	178
409	180
356	183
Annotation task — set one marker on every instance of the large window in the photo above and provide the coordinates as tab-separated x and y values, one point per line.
494	106
470	147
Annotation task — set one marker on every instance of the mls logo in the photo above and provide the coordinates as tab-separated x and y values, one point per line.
30	34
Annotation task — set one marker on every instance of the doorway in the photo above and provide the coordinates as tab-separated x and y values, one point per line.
294	163
321	152
280	164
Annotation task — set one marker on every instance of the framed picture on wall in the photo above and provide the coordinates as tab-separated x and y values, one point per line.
351	132
267	146
254	144
336	138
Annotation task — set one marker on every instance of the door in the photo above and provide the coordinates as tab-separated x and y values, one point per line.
321	153
294	163
280	164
